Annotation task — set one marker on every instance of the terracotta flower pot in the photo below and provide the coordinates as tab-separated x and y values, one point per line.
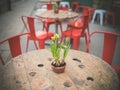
56	11
57	69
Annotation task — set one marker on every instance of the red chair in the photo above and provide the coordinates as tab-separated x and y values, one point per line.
86	11
110	14
110	40
90	11
74	22
34	35
48	22
76	33
74	5
14	45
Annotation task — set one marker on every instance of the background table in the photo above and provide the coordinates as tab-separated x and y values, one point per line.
32	71
49	1
63	14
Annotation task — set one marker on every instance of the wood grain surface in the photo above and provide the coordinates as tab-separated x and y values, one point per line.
63	14
32	71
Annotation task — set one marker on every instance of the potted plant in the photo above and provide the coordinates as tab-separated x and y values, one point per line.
59	52
55	8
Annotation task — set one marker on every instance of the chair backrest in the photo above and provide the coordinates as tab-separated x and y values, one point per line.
49	6
14	45
83	20
64	4
74	4
109	44
29	23
91	11
46	6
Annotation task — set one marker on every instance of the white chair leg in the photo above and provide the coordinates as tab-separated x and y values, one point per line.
93	19
101	18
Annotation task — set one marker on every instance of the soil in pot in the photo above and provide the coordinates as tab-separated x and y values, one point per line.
58	69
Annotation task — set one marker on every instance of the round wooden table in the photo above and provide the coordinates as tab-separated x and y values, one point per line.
32	71
63	14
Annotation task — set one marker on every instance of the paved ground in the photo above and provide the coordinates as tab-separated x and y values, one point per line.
11	24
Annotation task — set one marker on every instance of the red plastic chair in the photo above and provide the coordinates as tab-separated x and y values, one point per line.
110	40
74	5
75	34
39	35
110	14
90	11
85	11
47	22
14	45
74	22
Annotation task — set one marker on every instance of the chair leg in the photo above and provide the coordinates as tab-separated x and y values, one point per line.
27	44
60	26
61	38
101	18
2	60
43	26
93	19
35	44
105	19
88	30
42	44
86	38
47	27
67	27
71	40
113	22
75	43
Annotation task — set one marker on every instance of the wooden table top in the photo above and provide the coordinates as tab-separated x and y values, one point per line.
32	71
63	14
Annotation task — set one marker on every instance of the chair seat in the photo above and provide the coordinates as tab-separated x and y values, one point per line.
73	33
48	20
76	24
40	35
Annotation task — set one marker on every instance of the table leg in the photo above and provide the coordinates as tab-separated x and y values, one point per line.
56	25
